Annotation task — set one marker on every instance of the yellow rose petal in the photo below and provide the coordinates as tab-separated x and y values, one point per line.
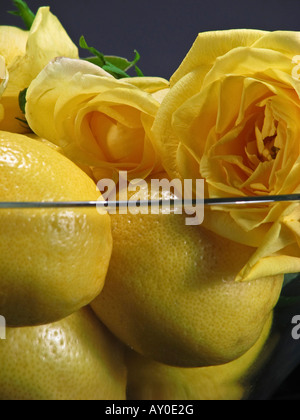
99	121
232	117
220	221
277	251
27	53
149	84
13	43
269	266
251	62
3	84
3	75
44	91
286	42
49	38
211	45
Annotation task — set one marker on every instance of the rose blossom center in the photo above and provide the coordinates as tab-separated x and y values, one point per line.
267	136
120	141
249	156
261	151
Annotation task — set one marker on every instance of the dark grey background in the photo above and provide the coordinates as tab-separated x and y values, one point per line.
161	30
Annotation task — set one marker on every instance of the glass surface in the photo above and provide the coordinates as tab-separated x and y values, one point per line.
281	355
230	201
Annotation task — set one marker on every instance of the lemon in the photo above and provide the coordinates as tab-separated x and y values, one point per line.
73	359
84	168
170	292
149	380
52	261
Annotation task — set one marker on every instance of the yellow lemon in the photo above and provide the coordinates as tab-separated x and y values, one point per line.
149	380
52	261
86	169
73	359
171	295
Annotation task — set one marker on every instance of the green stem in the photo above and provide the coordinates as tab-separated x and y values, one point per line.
24	12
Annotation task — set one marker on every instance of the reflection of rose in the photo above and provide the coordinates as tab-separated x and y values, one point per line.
26	53
232	117
97	120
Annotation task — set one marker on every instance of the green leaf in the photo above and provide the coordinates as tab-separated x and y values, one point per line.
22	100
114	65
120	62
22	105
83	44
94	60
115	71
124	64
139	71
24	122
24	12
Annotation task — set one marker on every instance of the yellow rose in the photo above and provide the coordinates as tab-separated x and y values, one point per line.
26	53
97	120
3	82
232	117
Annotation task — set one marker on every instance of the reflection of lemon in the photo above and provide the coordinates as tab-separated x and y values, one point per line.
170	292
52	262
73	359
149	380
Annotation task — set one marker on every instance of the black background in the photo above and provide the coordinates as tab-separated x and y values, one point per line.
163	31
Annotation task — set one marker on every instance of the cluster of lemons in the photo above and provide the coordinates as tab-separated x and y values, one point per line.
107	307
113	307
